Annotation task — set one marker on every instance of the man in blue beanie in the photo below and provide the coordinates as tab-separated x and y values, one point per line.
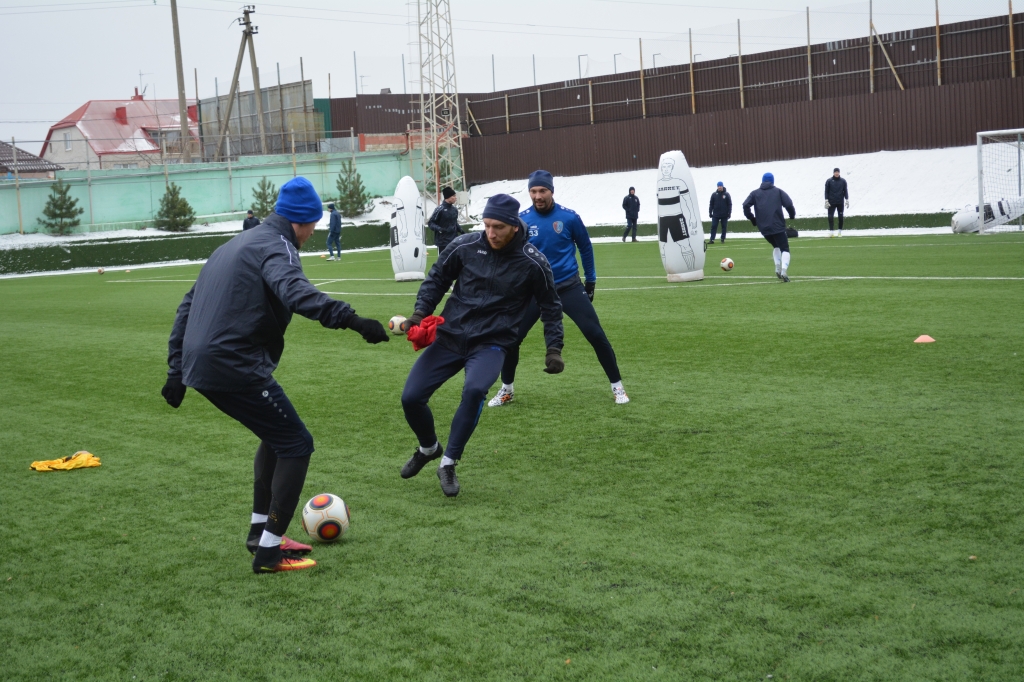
767	203
558	231
720	210
497	275
226	342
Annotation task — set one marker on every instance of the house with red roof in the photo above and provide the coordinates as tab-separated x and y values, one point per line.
133	133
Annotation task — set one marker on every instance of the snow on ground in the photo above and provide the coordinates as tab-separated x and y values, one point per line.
881	183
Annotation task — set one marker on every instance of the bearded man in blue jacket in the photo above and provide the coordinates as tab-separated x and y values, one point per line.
557	232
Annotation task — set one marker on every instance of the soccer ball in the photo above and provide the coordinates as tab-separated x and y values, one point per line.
727	264
325	517
100	271
395	324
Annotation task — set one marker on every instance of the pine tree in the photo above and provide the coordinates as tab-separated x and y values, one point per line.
264	198
353	199
175	214
61	211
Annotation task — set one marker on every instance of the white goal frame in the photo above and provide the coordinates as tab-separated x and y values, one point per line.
1019	133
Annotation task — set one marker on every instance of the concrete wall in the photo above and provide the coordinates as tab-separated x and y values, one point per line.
126	199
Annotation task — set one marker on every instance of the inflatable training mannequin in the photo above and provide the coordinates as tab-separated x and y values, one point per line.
408	249
680	233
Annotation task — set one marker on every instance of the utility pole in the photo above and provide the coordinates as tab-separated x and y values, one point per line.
223	131
305	108
405	83
280	101
871	44
355	71
494	80
535	69
250	31
739	60
186	137
810	78
938	46
199	114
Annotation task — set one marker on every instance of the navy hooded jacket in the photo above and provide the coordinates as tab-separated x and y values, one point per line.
631	205
836	191
768	202
492	290
721	205
228	334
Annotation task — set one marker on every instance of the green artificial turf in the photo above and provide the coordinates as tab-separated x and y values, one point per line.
795	490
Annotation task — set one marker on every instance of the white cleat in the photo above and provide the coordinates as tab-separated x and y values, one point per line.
831	234
504	397
620	396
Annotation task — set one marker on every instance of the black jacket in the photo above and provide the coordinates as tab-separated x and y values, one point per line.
836	190
334	224
229	331
721	205
492	290
250	223
768	202
631	204
444	222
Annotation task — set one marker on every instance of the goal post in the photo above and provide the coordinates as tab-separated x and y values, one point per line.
1000	181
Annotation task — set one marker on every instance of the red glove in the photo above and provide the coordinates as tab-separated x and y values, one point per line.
423	334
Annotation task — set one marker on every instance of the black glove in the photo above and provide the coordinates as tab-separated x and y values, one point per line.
753	221
412	321
589	288
553	363
370	329
173	391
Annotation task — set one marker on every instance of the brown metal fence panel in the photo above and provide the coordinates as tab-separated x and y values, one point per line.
920	118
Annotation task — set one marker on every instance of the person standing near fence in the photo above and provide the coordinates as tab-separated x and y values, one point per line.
837	195
631	205
720	211
334	233
250	221
444	221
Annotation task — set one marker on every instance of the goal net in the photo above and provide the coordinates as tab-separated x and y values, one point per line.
1001	180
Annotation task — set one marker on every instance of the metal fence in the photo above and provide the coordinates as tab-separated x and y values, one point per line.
920	118
970	52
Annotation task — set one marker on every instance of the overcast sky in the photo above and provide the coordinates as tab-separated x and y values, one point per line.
61	53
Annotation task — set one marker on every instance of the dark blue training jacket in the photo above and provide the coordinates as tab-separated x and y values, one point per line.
721	205
631	205
768	202
492	290
229	331
444	223
836	191
334	226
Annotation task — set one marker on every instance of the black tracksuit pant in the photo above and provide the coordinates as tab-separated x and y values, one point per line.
630	227
577	307
433	368
832	210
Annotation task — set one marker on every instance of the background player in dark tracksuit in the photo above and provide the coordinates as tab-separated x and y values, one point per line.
836	195
250	221
444	222
767	202
631	205
720	211
226	342
496	274
558	231
334	232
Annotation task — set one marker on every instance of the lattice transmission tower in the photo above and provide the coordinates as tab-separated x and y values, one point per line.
441	124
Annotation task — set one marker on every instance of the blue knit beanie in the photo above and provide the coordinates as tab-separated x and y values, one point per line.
768	177
721	184
504	208
298	202
541	178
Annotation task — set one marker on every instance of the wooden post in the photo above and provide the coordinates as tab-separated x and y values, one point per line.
739	60
643	96
871	44
693	95
508	126
590	96
294	171
163	158
199	117
17	184
88	182
938	46
810	77
886	54
305	112
329	80
1013	52
280	104
231	185
540	111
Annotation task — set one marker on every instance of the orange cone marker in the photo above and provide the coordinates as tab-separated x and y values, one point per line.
924	338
